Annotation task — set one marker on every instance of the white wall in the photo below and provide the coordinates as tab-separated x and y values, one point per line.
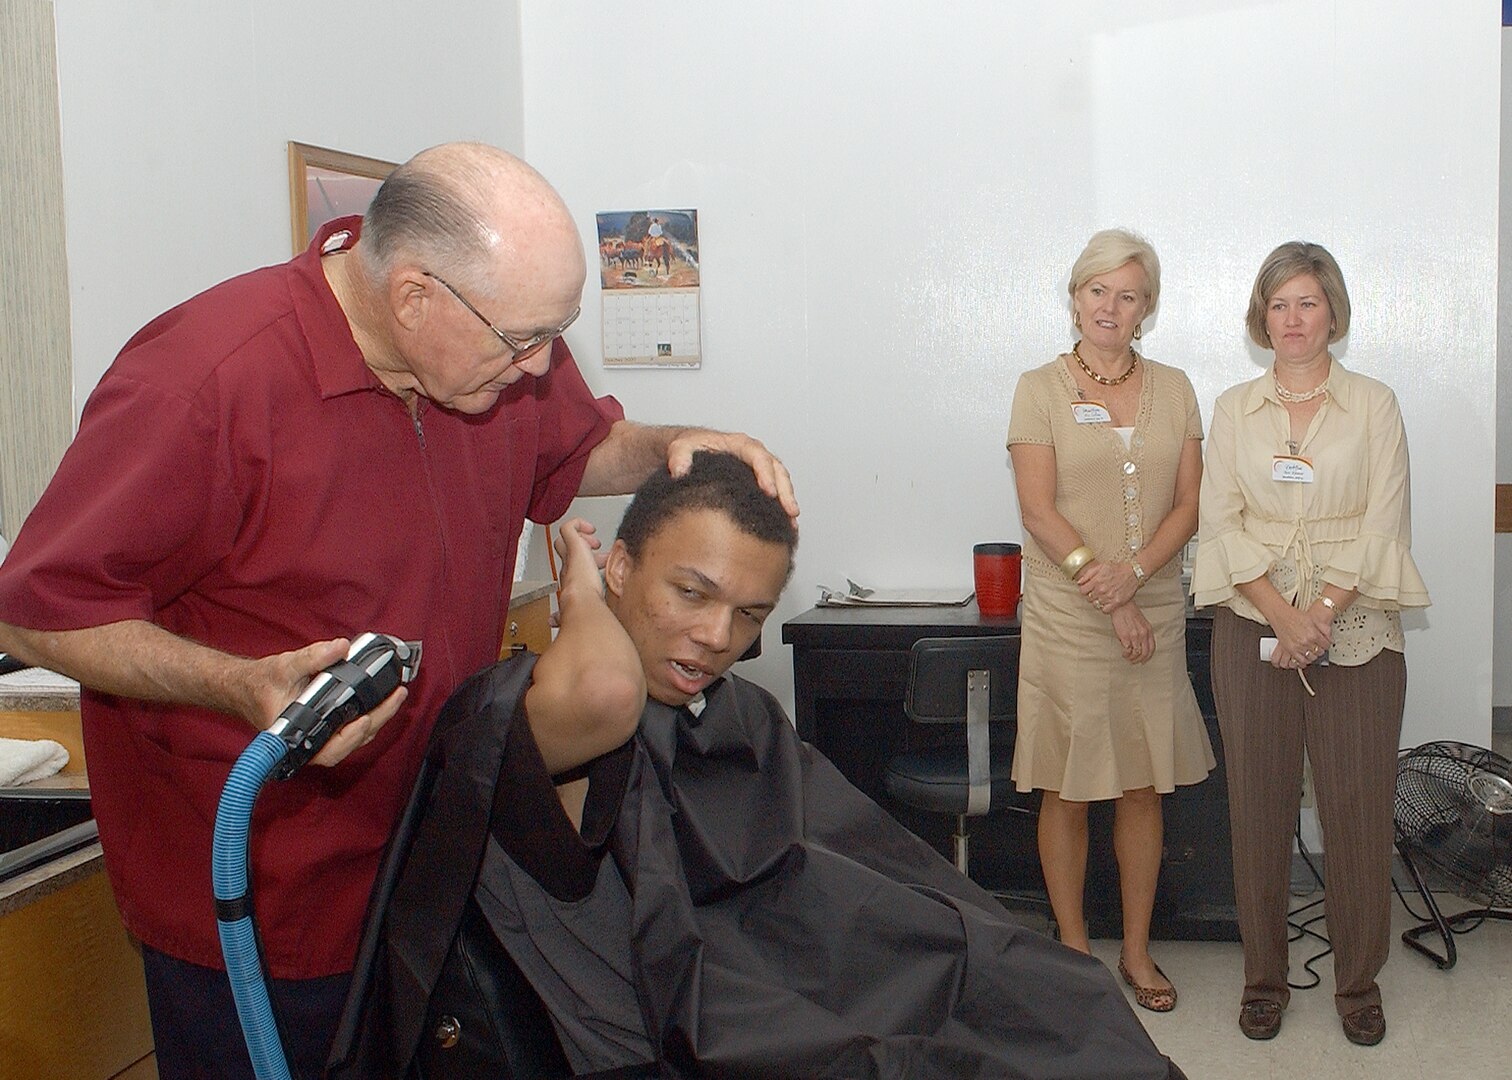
890	197
176	117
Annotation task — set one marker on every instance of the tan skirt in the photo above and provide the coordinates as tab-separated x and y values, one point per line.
1091	725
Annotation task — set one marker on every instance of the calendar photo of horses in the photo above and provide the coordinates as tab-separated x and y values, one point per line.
655	249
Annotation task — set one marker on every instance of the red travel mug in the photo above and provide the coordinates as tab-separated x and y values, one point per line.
997	569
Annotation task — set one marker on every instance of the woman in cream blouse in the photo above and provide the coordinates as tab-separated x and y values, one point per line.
1107	456
1305	538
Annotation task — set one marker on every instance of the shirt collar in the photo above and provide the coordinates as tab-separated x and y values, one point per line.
338	363
1341	388
700	701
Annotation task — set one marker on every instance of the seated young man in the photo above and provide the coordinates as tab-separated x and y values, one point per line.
683	882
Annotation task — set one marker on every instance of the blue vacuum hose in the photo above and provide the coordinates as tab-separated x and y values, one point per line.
233	905
375	665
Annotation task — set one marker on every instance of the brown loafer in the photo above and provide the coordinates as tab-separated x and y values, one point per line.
1365	1027
1260	1019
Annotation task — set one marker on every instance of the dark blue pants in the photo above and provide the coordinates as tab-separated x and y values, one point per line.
198	1036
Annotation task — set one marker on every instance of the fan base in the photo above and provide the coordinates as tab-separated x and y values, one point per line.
1446	928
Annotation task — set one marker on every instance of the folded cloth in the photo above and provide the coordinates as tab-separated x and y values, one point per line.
25	760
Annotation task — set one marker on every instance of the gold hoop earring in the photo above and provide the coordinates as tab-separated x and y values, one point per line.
1138	331
1076	318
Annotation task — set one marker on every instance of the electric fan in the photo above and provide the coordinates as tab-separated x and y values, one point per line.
1454	817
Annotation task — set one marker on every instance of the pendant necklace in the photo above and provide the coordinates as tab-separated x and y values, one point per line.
1095	377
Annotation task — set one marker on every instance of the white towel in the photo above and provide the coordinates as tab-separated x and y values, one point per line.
25	760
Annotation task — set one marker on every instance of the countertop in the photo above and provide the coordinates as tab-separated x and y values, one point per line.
48	878
523	592
31	690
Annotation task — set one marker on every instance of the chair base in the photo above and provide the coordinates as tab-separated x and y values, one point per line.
961	846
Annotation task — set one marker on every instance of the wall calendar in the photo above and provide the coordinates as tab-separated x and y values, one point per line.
648	271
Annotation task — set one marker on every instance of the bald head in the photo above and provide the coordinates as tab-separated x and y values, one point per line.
478	216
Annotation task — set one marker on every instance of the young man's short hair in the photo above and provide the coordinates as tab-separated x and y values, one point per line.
716	481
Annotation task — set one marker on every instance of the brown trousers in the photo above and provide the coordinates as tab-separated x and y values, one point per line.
1351	730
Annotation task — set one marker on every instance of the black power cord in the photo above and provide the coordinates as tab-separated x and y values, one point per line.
1304	928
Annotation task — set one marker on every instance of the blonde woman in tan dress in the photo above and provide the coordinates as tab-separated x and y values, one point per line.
1106	449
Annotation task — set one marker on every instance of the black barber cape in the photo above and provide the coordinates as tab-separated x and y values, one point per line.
745	907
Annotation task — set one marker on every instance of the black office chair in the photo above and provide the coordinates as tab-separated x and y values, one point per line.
971	682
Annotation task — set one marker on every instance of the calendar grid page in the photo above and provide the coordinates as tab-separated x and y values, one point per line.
651	328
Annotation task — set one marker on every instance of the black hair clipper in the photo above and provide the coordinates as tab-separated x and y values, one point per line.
375	666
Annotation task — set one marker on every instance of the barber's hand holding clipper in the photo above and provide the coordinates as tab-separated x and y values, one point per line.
280	678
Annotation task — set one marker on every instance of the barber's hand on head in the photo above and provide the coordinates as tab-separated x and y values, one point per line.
283	677
1107	586
771	475
1134	633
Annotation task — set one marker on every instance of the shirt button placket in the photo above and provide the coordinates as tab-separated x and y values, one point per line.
1131	506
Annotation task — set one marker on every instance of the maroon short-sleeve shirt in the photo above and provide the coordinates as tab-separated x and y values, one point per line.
240	477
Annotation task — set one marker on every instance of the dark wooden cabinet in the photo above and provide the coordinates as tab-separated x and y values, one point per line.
849	670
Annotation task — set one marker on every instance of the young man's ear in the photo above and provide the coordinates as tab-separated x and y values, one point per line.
617	568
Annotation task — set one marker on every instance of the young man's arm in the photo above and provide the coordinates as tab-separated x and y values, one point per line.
588	690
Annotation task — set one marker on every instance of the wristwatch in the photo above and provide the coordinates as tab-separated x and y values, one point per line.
1327	602
1139	574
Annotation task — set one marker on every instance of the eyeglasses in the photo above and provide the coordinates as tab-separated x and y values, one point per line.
518	347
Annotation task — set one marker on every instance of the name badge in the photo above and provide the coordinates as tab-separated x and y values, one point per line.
1290	469
1091	412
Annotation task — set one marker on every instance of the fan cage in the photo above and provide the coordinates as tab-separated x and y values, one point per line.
1454	813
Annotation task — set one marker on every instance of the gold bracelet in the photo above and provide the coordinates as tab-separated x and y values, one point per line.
1139	574
1072	564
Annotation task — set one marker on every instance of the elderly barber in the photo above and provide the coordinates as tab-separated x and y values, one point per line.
346	442
1306	547
1106	448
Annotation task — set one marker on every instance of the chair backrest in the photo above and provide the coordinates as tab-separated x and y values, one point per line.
969	681
938	669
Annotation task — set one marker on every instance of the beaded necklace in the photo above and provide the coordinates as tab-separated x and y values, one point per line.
1296	397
